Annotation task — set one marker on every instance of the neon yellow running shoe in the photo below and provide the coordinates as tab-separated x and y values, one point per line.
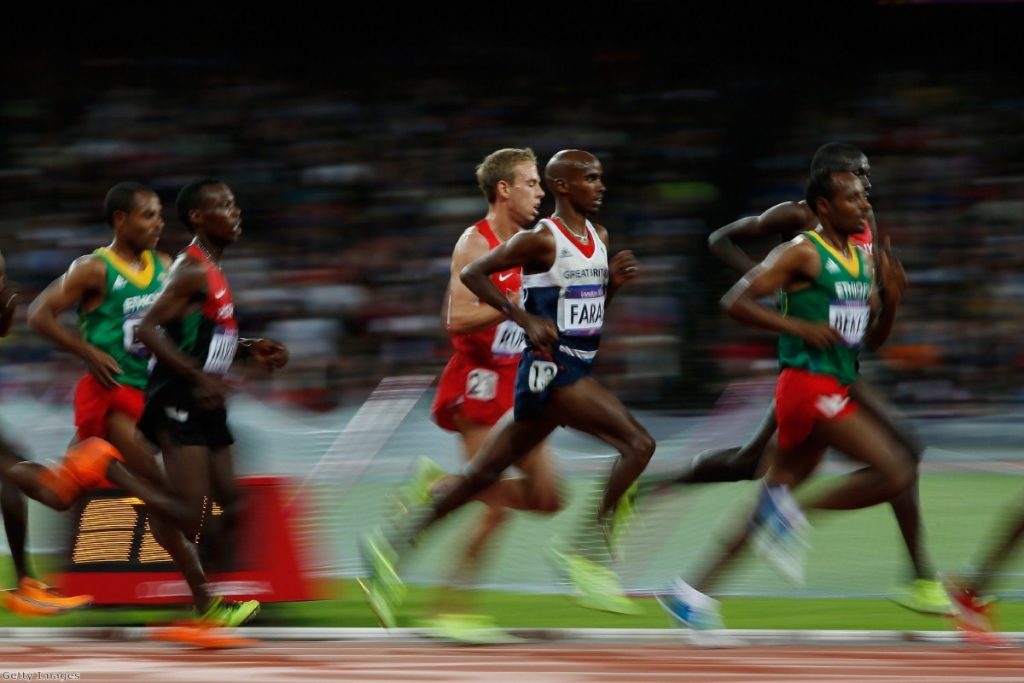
378	601
468	629
229	613
924	596
384	588
621	519
417	491
596	587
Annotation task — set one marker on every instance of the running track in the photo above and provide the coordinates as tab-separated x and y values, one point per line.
610	662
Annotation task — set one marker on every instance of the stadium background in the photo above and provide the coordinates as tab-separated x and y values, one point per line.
351	148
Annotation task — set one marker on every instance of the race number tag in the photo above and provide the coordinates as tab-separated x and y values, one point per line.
850	319
541	374
509	339
481	384
581	310
223	344
129	329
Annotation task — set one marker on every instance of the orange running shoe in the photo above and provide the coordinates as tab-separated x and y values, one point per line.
39	592
13	601
87	462
199	634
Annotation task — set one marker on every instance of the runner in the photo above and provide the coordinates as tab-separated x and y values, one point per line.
923	593
476	387
567	281
831	309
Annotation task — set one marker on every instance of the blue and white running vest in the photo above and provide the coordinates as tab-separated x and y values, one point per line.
571	294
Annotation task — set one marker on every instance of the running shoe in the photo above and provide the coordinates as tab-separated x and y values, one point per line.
379	602
468	629
975	616
13	601
228	613
691	608
384	588
924	596
596	587
620	521
39	592
418	490
198	634
780	533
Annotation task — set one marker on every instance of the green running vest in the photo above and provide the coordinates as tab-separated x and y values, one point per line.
840	296
110	327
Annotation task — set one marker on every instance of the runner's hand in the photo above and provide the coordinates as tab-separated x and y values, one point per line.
270	354
818	335
892	277
623	268
103	367
542	333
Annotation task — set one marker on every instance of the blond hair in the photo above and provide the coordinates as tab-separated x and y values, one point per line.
498	166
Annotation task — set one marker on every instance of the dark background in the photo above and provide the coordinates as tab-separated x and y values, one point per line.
350	138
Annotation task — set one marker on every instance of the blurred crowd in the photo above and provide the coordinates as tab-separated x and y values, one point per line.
356	182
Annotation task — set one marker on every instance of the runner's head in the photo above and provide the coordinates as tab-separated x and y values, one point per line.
839	156
134	211
207	208
574	177
509	177
838	199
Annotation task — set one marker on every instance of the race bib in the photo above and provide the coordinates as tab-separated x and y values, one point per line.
542	372
129	329
223	344
581	310
509	339
850	319
481	384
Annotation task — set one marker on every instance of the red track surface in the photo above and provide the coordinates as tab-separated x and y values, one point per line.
529	663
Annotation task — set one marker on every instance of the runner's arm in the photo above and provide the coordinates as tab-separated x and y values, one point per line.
464	312
185	286
784	219
84	282
621	268
894	279
533	251
787	265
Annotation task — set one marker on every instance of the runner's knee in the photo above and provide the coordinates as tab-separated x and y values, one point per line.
743	465
641	448
899	474
546	502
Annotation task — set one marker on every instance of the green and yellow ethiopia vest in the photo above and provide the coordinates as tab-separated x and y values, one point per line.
840	296
110	327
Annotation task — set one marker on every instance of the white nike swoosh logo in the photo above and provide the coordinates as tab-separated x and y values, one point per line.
220	293
505	276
